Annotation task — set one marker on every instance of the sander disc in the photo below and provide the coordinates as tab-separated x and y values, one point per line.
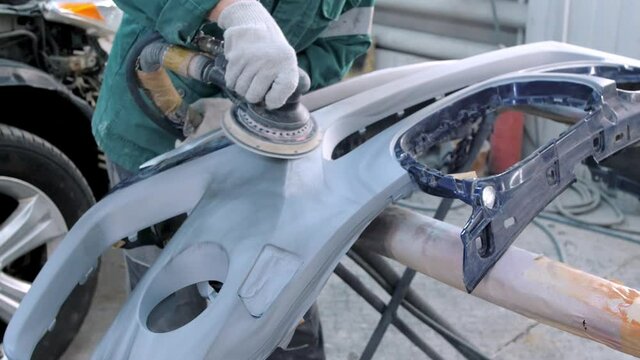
292	148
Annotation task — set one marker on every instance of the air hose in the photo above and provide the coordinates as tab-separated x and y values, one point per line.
134	86
590	198
147	67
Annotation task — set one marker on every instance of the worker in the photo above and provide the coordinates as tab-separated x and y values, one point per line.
265	42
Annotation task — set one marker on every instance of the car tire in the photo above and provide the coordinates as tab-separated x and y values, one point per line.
30	160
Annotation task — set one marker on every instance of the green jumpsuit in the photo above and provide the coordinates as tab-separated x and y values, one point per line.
328	35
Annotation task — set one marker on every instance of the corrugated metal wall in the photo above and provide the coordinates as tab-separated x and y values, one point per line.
607	25
409	31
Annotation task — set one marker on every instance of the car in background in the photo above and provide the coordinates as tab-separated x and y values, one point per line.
52	56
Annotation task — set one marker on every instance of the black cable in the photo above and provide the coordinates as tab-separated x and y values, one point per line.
134	86
593	228
353	282
554	240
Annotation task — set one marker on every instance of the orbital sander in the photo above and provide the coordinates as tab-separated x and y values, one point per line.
288	132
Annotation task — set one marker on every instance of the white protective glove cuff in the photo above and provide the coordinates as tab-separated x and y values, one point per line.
262	66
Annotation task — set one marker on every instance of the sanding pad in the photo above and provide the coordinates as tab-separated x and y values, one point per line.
267	140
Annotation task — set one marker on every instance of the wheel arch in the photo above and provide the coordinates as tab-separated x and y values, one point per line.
46	101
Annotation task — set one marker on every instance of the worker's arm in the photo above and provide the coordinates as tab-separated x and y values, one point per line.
331	55
327	61
262	66
177	21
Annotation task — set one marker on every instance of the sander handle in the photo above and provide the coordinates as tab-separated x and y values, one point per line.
203	65
213	72
214	48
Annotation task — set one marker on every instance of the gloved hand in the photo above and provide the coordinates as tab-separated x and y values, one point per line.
212	110
262	66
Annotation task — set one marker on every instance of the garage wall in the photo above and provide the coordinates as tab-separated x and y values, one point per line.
409	31
607	25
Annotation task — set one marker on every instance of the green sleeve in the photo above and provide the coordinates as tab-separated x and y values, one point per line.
330	57
176	20
328	60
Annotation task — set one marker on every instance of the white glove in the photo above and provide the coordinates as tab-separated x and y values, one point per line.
213	111
262	66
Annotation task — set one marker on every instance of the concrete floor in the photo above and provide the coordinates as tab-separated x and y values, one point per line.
348	321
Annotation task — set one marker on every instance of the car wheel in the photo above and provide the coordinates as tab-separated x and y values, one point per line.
42	194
